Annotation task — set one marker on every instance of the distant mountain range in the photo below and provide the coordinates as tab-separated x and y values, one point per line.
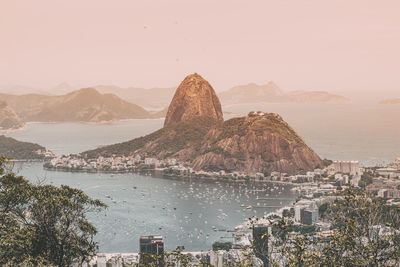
242	94
84	105
8	118
159	98
271	93
20	90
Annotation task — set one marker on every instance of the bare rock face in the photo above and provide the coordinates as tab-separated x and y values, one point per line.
194	133
194	97
259	142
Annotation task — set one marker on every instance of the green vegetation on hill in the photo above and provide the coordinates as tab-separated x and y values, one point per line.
44	225
260	142
222	246
167	141
259	124
11	148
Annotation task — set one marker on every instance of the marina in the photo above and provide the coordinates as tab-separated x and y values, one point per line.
192	213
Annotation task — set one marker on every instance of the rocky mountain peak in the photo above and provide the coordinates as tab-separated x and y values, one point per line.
274	87
194	97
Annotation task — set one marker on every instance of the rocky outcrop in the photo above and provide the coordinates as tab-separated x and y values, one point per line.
8	118
193	98
259	142
195	133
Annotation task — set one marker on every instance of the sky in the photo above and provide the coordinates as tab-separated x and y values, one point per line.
330	45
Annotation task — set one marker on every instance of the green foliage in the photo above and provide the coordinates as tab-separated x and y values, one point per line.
365	234
168	259
14	149
326	162
168	140
288	213
366	179
322	209
282	230
43	223
222	246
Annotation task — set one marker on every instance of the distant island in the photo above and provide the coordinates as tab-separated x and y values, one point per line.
35	104
84	105
17	150
243	94
271	93
390	101
195	134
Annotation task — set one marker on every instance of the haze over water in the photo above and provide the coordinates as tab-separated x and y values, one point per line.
365	132
184	212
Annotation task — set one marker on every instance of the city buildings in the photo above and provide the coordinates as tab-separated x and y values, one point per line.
260	237
151	250
309	216
348	167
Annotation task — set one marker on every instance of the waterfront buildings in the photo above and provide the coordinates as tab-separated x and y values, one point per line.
348	167
260	238
388	172
151	250
309	216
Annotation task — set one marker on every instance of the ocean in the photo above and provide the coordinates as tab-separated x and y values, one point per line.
186	212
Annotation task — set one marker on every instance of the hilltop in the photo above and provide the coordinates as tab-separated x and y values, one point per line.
194	97
11	148
259	142
84	105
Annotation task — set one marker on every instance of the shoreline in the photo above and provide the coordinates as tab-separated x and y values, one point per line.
27	160
159	173
13	130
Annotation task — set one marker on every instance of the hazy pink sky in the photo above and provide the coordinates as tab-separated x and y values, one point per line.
311	45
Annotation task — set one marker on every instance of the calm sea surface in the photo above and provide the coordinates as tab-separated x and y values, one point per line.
186	211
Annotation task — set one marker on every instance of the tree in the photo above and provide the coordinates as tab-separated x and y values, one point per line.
222	246
366	179
365	233
43	223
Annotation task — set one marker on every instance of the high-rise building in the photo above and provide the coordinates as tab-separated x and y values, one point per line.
350	167
151	250
309	216
260	239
